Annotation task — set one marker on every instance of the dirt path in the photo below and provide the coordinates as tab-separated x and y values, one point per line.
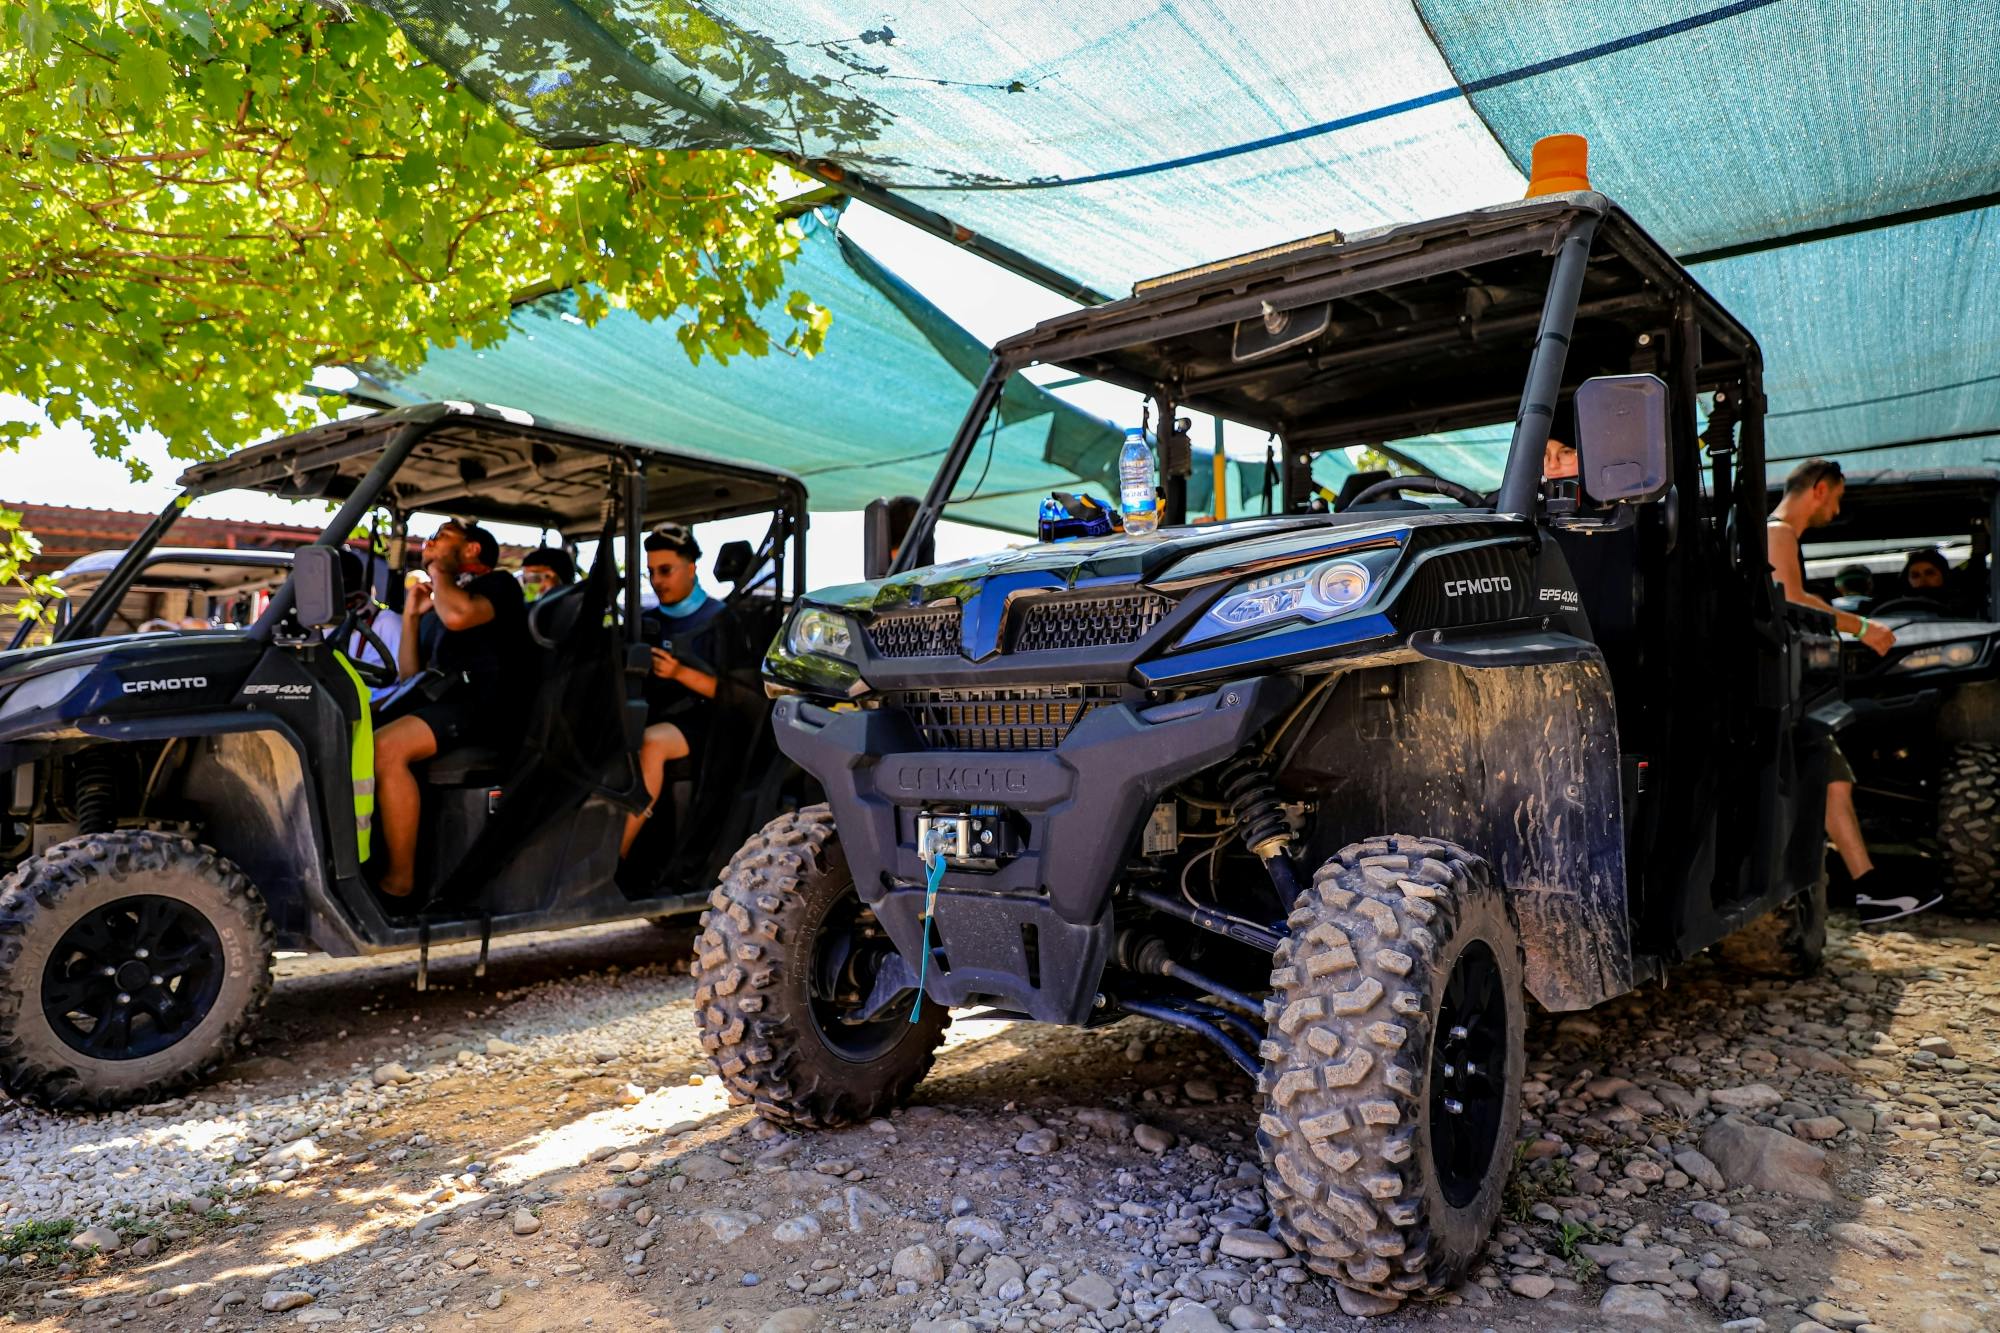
559	1158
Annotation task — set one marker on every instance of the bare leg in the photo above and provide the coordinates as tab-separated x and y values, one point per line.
1843	829
663	743
398	800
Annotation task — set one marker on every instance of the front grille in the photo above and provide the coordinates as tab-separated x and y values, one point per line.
1085	622
927	633
1014	717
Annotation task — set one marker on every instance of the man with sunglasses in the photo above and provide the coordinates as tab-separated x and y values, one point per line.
691	650
1812	500
470	624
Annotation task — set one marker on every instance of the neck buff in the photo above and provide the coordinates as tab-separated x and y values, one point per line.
687	605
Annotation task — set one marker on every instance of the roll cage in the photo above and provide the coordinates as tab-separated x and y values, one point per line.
489	463
1430	326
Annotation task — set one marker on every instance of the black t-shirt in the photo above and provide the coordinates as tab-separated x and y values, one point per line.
700	639
493	656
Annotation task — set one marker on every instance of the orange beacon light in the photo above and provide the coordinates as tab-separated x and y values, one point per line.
1559	164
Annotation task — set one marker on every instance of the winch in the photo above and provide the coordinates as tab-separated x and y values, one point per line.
978	838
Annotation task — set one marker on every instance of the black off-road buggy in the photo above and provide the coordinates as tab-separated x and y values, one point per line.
1338	791
179	805
1925	738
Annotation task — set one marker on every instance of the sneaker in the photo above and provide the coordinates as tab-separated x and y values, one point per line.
1877	911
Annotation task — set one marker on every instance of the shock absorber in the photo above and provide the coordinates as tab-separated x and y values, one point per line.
95	778
1253	798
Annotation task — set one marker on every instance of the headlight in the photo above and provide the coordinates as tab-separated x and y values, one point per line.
1306	592
821	634
1961	654
41	691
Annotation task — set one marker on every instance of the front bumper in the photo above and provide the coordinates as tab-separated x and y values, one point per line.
1031	935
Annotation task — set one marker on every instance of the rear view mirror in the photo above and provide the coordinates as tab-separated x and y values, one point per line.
1621	439
883	525
318	598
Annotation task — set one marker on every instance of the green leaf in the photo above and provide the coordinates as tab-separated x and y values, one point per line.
145	76
195	25
38	29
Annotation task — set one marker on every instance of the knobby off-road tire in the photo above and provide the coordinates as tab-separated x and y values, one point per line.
785	897
1968	829
1362	1056
101	890
1788	942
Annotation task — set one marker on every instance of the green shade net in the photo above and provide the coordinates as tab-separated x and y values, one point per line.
871	415
1124	138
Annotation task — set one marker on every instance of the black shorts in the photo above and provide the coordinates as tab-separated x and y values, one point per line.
462	717
695	725
1837	767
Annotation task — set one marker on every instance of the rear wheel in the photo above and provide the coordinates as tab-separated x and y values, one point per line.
132	965
1393	1068
1968	828
788	953
1787	942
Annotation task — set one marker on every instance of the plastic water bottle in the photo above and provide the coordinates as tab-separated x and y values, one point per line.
1136	496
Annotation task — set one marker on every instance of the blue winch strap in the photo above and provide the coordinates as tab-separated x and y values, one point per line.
930	902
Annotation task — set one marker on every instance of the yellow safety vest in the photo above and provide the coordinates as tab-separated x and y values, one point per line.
361	759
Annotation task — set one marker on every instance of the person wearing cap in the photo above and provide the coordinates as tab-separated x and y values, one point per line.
691	650
545	570
1854	588
1812	497
482	645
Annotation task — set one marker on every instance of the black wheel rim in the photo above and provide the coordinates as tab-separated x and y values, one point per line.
848	951
132	978
1468	1074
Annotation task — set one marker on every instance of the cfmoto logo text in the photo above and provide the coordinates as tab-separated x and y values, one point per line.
165	683
1492	583
960	781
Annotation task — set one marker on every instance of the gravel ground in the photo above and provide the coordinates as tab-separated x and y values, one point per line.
546	1150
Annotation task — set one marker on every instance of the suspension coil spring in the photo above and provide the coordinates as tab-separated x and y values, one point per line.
96	791
1253	798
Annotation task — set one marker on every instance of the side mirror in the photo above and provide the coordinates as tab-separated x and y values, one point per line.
883	526
318	595
1621	439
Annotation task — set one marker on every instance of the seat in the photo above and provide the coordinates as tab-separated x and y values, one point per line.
467	766
552	617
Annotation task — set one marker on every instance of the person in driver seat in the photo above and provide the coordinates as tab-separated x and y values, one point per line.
1926	572
1559	461
690	651
482	646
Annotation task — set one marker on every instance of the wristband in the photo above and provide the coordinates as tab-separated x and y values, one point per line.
1864	627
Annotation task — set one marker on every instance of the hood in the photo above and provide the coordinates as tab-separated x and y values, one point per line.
1174	557
122	673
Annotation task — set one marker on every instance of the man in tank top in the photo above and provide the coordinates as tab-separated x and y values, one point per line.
1812	500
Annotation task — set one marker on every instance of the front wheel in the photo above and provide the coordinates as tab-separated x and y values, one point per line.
132	965
1393	1068
1968	828
787	955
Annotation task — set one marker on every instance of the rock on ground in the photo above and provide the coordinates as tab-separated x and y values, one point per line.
1751	1156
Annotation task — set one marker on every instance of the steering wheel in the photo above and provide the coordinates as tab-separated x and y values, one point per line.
1906	604
375	675
1451	490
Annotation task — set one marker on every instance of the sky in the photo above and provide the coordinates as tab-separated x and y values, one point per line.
59	467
